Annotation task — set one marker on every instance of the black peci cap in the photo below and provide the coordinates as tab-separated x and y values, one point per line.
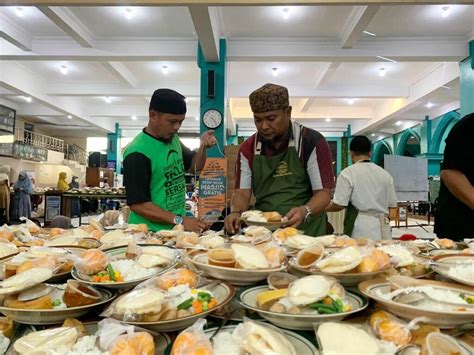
168	101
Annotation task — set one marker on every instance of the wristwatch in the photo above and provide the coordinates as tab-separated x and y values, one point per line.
178	219
308	213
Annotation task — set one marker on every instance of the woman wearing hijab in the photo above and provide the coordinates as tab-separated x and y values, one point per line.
23	189
74	184
62	183
4	197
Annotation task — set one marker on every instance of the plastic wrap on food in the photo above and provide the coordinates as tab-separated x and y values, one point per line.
342	260
258	338
172	278
139	305
187	240
192	340
373	259
389	328
46	340
33	228
91	261
274	253
6	234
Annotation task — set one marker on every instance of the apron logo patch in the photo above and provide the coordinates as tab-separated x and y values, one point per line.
282	170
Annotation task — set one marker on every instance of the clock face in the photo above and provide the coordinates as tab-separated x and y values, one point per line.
212	119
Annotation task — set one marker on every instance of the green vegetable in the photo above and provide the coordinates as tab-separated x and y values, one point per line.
186	304
205	306
338	305
111	272
203	297
56	303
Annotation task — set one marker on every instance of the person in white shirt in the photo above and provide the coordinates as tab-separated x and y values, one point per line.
367	193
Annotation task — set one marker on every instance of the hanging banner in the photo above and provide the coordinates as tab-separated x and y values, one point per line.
212	189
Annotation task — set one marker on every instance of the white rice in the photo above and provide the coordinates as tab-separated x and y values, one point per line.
84	346
462	272
131	270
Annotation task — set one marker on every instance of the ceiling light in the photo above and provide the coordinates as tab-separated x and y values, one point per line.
380	137
445	11
69	116
398	123
108	99
275	72
429	105
128	12
373	134
19	11
328	119
350	101
27	98
382	72
196	118
446	87
164	69
369	33
387	59
63	69
286	13
134	118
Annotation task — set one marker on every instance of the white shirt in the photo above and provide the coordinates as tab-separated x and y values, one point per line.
368	187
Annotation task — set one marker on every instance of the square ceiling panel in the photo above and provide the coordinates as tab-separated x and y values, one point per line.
423	21
140	22
369	73
270	21
76	71
32	21
154	72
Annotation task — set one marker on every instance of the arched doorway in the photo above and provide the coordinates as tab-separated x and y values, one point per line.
409	144
380	149
442	131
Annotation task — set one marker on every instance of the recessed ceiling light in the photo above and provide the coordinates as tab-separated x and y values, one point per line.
398	123
350	101
445	10
69	116
429	105
108	99
196	118
382	72
164	69
387	59
134	118
27	98
275	72
63	69
128	12
328	119
286	13
373	134
19	11
369	33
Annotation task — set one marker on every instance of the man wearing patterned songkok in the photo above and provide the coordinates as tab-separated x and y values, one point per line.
288	167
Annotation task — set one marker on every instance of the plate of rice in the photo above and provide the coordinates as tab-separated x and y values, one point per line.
457	267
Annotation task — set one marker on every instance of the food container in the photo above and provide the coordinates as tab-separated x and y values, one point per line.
221	257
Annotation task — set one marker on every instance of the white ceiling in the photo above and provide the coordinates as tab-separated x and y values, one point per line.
321	52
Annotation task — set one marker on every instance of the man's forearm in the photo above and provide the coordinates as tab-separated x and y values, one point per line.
319	201
240	201
152	212
199	159
459	185
334	207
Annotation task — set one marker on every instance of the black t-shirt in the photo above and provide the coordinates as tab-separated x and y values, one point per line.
137	174
454	219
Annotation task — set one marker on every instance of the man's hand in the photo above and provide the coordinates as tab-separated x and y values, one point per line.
232	223
208	139
295	216
192	224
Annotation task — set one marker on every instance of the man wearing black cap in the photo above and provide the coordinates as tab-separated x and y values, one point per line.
367	193
155	163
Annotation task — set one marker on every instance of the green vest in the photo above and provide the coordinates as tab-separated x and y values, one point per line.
167	185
